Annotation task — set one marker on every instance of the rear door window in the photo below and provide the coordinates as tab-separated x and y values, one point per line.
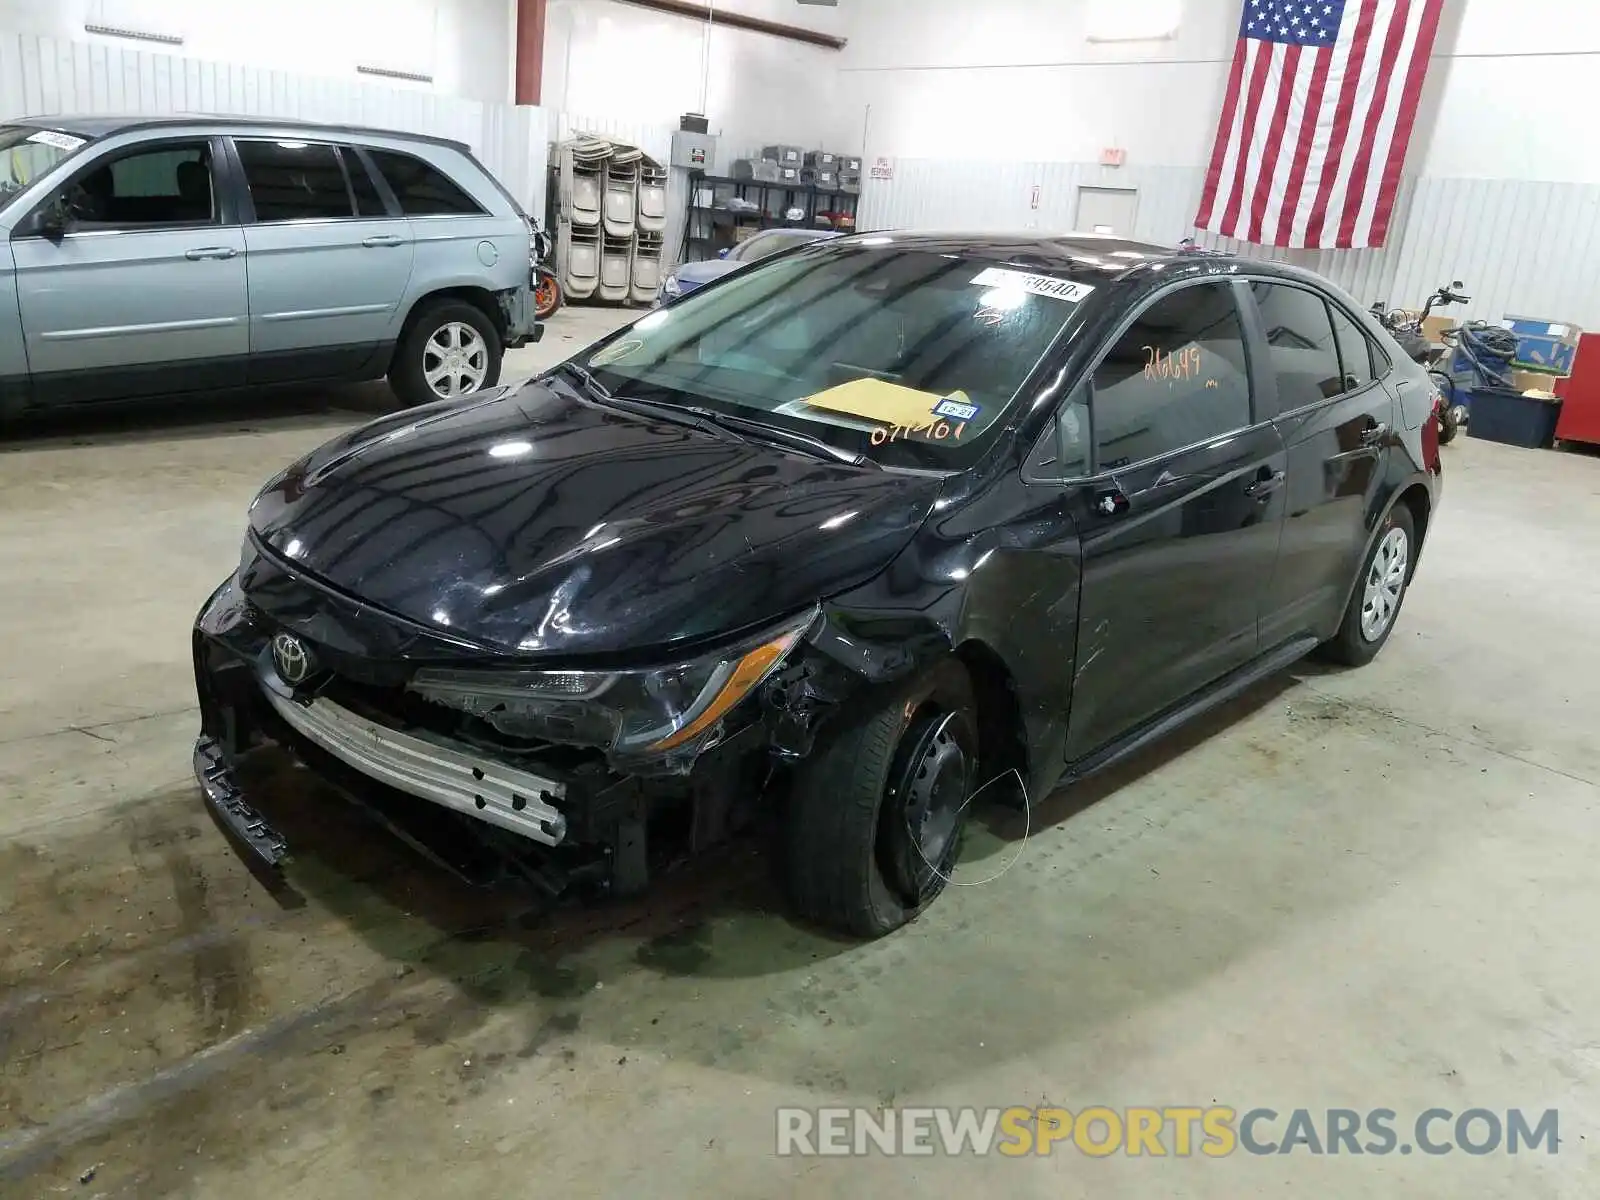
1355	351
295	181
368	202
421	188
1176	378
1301	350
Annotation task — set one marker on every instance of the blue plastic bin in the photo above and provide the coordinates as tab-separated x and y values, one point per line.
1504	415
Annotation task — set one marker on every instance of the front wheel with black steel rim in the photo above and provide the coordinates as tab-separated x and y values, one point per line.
450	350
1380	590
877	812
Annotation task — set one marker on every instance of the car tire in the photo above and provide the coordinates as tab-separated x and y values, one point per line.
901	757
448	334
1379	591
1448	426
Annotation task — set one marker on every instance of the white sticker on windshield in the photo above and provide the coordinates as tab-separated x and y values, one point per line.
61	141
1037	285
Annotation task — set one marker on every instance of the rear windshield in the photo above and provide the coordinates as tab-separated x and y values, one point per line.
26	153
907	356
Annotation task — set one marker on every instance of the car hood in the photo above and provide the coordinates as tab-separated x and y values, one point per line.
542	524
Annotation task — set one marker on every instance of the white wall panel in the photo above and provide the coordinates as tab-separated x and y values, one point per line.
465	45
44	75
1520	246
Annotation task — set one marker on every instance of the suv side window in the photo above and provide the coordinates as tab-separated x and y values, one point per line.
1355	351
422	189
294	181
368	202
1176	378
1301	350
168	184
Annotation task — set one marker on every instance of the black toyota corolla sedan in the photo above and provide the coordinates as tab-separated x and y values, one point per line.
838	541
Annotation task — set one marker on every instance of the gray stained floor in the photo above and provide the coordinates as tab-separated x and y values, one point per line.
1374	889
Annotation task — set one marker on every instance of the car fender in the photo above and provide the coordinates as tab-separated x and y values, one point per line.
1387	498
1000	591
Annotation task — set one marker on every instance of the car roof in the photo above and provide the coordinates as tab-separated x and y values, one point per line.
1076	255
100	125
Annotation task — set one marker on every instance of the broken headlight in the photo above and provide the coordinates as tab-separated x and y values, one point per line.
630	714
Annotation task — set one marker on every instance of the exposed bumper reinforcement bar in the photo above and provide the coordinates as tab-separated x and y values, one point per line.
474	785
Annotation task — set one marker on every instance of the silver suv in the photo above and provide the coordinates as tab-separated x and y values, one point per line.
146	256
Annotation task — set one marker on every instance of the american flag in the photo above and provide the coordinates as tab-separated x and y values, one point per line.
1315	123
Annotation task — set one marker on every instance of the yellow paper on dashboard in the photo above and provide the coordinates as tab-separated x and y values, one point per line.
878	400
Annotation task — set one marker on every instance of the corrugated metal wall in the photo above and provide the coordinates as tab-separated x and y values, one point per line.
40	76
1521	247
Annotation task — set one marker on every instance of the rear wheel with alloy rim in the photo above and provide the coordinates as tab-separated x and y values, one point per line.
877	813
1381	589
449	351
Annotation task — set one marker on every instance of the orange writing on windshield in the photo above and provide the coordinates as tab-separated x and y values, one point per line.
1174	364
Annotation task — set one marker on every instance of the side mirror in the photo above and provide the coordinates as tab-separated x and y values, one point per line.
725	252
53	218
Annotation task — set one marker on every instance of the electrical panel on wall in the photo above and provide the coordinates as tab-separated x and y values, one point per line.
694	151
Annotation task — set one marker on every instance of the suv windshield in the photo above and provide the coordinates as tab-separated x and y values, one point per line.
908	356
27	153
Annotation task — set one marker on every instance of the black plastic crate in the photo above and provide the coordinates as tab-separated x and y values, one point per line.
1503	415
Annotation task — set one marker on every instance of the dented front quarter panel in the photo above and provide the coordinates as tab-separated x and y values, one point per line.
995	565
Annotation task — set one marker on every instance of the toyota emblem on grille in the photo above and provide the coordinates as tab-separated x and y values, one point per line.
292	658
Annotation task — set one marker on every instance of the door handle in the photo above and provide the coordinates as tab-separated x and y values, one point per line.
1374	434
1264	486
382	239
209	252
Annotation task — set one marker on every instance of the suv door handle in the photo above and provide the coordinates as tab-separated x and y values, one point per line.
1374	434
209	252
382	239
1264	486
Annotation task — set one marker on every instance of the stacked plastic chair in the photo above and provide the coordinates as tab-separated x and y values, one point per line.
611	221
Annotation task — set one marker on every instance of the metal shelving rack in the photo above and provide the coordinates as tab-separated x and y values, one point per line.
711	227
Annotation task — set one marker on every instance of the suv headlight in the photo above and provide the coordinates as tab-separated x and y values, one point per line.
632	715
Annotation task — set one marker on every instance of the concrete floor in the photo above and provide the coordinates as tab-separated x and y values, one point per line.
1370	889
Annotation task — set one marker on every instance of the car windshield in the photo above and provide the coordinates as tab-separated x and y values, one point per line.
26	153
907	356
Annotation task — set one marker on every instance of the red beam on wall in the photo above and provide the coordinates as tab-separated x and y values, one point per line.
530	50
734	20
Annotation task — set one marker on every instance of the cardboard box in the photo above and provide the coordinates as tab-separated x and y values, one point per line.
1544	345
822	160
1433	328
1542	382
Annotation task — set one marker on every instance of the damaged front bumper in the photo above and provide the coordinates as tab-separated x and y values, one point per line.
570	817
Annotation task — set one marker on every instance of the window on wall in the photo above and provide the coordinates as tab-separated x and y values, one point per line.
421	188
295	181
170	184
1176	378
1301	350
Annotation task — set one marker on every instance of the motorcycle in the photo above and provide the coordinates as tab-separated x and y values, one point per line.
1406	327
547	294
